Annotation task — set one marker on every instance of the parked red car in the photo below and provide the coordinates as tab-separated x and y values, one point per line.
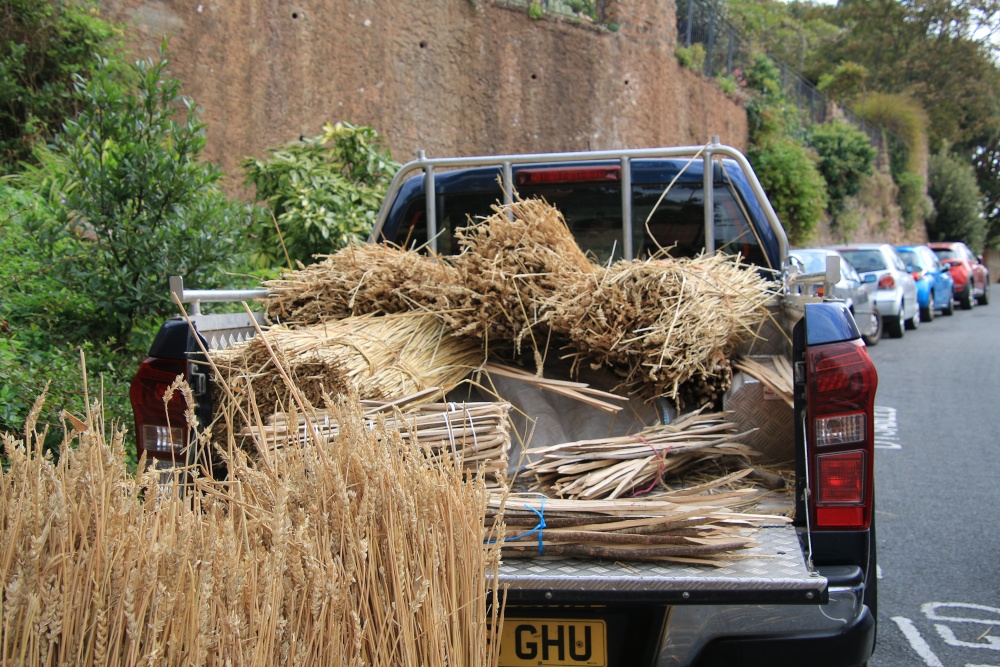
972	278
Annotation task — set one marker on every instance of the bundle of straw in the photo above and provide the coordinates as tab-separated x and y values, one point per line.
634	464
511	262
667	327
366	279
372	357
663	323
677	527
475	435
340	552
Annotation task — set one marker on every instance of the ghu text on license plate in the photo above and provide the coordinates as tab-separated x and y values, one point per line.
552	642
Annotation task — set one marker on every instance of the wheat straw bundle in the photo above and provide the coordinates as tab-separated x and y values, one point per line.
513	260
365	279
701	529
373	357
634	464
667	327
662	323
341	552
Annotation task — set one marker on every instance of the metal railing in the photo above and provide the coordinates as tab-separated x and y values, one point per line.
728	51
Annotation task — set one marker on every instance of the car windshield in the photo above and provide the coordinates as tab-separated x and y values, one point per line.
912	259
865	260
813	262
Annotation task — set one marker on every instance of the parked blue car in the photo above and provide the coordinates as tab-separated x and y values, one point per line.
935	286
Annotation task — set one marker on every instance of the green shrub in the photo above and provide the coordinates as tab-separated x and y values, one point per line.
41	335
845	157
45	45
535	11
914	205
957	214
129	201
692	57
789	176
323	191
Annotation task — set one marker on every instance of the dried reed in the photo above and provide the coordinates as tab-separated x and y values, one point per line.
347	553
681	527
634	464
372	357
668	326
475	435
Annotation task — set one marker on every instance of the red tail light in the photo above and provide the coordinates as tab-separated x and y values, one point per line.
841	435
161	432
550	175
917	275
887	282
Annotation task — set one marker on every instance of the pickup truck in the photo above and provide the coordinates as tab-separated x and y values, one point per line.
807	593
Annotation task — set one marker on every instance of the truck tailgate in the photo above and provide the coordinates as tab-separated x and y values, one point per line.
773	572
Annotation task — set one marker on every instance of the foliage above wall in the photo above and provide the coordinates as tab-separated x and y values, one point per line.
323	192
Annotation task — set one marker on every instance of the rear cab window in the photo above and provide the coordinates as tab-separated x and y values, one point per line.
663	221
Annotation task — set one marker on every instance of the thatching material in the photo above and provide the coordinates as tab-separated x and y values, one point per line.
629	465
365	279
774	372
664	323
475	435
687	528
345	552
667	327
511	262
368	356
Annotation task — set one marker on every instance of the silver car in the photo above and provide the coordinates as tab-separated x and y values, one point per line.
851	289
895	291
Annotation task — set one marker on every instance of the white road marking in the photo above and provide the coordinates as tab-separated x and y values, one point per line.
992	643
886	428
920	646
878	571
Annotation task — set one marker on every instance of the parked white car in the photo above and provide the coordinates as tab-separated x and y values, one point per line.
895	292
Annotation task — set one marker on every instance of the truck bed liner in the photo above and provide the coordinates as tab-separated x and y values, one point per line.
774	572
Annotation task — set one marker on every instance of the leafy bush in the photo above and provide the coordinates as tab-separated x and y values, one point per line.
45	45
41	339
914	205
130	203
789	176
535	10
323	191
845	157
957	200
787	169
692	57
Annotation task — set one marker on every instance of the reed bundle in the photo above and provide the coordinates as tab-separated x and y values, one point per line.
346	552
373	357
475	435
774	372
634	464
675	527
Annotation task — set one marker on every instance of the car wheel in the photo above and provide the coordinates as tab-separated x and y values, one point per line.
876	335
984	300
950	308
968	299
895	326
927	314
914	321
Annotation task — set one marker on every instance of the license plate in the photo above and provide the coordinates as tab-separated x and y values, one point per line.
553	642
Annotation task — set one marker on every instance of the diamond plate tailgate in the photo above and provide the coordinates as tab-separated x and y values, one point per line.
774	572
